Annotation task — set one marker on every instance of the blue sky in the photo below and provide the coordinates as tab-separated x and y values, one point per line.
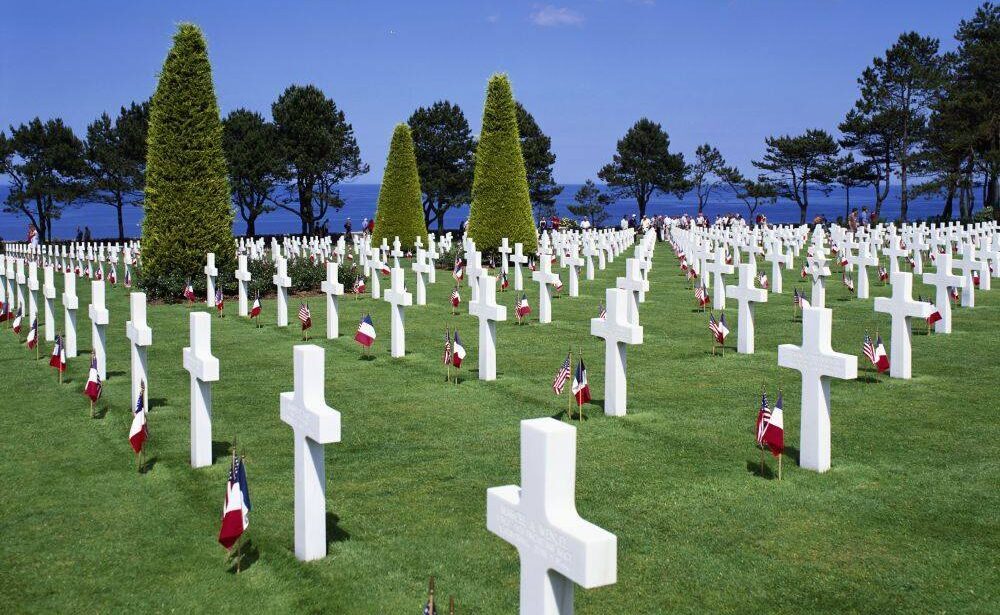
726	72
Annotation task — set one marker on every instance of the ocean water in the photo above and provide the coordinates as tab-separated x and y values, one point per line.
360	201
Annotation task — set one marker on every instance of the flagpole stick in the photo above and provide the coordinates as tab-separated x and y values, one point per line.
779	465
761	459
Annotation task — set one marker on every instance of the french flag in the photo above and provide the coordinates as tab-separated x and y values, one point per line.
17	320
93	386
581	388
255	310
58	358
458	353
236	508
366	332
33	334
881	357
138	432
774	430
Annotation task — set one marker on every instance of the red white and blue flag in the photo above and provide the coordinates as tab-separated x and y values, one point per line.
447	348
458	272
774	430
139	431
58	358
305	316
236	507
128	278
763	416
17	319
581	388
189	291
93	387
359	285
220	301
562	376
366	331
504	282
458	352
455	297
113	275
4	312
881	357
522	308
701	295
602	312
255	309
32	340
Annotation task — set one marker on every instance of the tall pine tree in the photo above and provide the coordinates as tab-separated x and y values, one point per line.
188	211
501	204
400	211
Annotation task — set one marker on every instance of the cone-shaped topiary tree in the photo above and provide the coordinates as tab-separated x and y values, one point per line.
501	205
400	211
188	211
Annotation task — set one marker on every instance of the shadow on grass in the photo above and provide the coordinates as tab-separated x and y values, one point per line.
157	402
869	377
115	374
366	357
100	411
243	558
147	466
763	471
221	449
335	533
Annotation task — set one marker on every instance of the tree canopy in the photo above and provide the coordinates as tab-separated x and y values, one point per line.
536	147
255	163
796	163
400	211
445	151
116	159
644	165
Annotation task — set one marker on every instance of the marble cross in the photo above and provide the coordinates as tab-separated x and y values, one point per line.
861	261
49	294
746	295
819	272
901	307
518	259
210	274
617	330
776	258
718	268
99	324
204	370
71	303
893	252
633	284
33	287
505	251
398	298
574	262
332	288
281	283
545	279
243	279
140	337
474	267
557	547
817	362
422	266
968	264
314	424
489	313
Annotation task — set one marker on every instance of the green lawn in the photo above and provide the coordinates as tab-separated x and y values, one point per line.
906	521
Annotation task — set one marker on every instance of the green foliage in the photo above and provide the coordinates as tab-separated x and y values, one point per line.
116	159
501	203
591	203
705	173
797	163
400	212
536	147
188	211
45	166
255	163
643	165
445	151
320	152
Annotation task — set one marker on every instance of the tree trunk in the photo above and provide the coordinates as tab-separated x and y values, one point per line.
641	199
847	208
251	226
946	214
121	223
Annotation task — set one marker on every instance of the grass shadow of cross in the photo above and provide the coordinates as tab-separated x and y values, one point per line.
335	533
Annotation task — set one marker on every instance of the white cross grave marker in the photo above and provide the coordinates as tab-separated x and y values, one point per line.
314	424
71	303
243	277
486	309
140	336
545	279
718	268
210	273
398	298
332	288
99	324
556	545
422	266
204	370
746	295
901	307
49	294
282	283
518	259
817	362
617	330
941	279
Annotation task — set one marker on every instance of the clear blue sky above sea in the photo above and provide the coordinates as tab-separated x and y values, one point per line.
726	72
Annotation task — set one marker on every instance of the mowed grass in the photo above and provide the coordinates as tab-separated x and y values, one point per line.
906	521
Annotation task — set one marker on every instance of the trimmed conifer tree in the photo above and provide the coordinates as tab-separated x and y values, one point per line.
188	211
400	210
501	203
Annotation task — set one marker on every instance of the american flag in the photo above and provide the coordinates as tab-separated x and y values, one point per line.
762	280
602	312
523	308
305	316
128	278
559	285
804	273
797	298
458	273
455	297
883	274
139	431
763	416
359	285
953	291
562	376
868	348
189	291
220	301
236	507
447	348
701	295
